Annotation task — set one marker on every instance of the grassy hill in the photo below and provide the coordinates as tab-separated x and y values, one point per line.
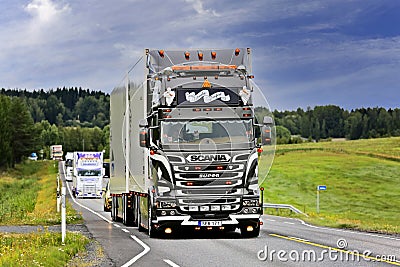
362	179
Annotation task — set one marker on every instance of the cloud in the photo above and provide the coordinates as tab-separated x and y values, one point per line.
198	7
302	50
44	11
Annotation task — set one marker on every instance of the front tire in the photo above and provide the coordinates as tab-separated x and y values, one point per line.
151	231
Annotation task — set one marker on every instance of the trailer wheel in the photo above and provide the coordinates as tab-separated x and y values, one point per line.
140	227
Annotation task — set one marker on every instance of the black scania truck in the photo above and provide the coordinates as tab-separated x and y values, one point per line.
185	143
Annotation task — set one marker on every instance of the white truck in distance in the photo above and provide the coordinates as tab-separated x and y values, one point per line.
195	163
56	152
69	168
88	174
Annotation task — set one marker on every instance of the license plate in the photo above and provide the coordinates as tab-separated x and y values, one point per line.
210	223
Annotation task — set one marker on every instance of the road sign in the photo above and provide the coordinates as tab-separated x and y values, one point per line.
321	187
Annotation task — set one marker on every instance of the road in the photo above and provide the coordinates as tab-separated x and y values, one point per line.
282	242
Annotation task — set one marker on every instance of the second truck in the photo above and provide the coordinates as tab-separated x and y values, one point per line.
185	146
88	174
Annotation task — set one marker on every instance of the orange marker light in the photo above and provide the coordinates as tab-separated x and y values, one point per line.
200	54
187	55
237	51
213	55
161	53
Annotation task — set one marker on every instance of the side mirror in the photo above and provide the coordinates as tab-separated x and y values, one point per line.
144	137
266	134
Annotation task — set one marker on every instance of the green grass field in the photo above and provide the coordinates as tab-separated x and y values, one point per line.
28	197
39	249
362	179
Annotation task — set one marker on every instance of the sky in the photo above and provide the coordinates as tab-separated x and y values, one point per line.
305	53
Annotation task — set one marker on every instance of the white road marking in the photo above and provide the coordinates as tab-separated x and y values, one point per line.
170	263
126	231
83	206
270	220
116	225
140	242
138	256
348	231
288	222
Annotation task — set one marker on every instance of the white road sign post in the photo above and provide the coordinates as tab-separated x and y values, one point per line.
319	188
63	214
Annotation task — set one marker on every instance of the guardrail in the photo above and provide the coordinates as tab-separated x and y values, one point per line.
283	206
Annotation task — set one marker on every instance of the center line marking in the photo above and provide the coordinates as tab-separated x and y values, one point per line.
333	248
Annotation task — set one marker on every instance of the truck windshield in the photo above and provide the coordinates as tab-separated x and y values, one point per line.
219	132
89	172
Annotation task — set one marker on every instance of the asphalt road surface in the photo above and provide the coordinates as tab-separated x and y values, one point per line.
282	242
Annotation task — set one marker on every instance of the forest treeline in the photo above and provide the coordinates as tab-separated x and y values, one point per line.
66	106
31	121
78	119
325	122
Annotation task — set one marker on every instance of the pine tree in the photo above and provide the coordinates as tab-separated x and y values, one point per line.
25	139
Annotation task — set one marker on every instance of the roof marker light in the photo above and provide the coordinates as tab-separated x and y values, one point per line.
200	55
161	53
213	54
187	55
237	51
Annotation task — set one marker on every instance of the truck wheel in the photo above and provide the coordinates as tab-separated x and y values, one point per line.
246	234
113	208
152	231
140	227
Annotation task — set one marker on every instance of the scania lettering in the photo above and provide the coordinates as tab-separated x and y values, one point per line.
208	158
185	143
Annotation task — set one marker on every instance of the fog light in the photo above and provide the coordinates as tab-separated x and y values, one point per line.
249	228
209	228
193	208
197	228
163	213
226	207
168	230
172	212
221	228
246	210
204	208
254	210
214	208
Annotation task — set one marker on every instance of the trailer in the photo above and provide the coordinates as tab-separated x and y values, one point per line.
184	144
